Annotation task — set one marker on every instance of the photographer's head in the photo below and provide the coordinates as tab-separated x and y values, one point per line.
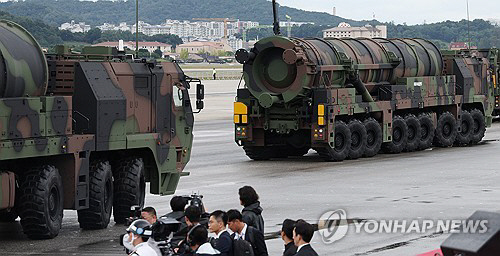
235	221
248	196
149	214
303	233
139	231
178	203
192	215
197	236
287	230
217	221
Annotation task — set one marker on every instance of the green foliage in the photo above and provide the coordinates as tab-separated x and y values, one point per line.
184	55
45	35
96	13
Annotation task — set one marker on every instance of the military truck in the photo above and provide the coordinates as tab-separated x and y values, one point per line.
353	97
86	132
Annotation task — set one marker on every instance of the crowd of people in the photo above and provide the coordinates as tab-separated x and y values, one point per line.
234	233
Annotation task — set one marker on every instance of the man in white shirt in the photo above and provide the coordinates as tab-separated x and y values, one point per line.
139	232
302	235
217	225
247	233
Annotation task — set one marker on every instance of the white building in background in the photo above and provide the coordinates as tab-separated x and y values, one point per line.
74	27
150	46
111	27
294	24
345	30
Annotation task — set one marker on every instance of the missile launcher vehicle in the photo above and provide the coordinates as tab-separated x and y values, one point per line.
86	132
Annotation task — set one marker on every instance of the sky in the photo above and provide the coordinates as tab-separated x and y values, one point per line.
399	11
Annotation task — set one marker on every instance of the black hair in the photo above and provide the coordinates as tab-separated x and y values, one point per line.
287	227
220	215
248	195
149	210
178	203
234	215
193	213
304	229
198	235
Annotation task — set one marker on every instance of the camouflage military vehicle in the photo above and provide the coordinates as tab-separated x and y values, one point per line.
349	98
86	132
494	56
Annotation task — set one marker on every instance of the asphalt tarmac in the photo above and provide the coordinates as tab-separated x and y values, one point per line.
435	184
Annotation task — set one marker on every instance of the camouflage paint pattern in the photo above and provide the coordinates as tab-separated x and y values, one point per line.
22	62
91	108
402	75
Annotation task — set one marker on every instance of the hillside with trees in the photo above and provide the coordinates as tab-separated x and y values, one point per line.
51	13
156	11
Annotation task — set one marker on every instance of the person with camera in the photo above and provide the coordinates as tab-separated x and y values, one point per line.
302	235
149	214
247	233
139	232
287	236
222	240
178	204
197	240
252	212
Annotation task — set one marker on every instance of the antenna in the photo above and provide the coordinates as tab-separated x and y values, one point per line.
468	25
276	24
137	29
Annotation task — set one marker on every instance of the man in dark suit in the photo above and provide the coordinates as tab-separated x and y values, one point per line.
287	236
248	233
222	241
302	235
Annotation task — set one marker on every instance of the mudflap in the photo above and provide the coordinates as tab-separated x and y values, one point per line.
7	190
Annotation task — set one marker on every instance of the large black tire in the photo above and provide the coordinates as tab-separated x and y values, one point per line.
100	197
129	188
479	126
261	153
466	124
414	134
399	136
40	204
446	130
426	131
342	144
358	139
8	217
373	137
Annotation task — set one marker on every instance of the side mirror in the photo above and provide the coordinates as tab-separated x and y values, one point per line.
200	95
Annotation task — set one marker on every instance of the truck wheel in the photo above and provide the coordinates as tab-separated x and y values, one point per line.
8	217
358	139
414	134
41	202
373	137
464	137
426	131
479	126
342	144
446	130
129	188
100	197
259	153
399	136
